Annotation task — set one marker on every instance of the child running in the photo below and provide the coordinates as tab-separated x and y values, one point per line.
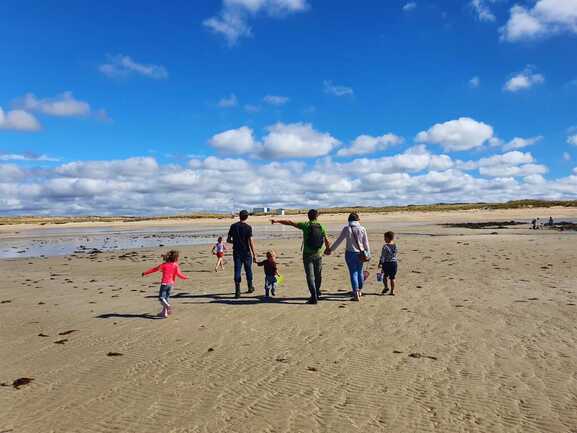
218	250
388	262
270	274
170	270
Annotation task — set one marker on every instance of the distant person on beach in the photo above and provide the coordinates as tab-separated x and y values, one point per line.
388	263
240	236
534	224
218	250
551	222
270	274
314	238
170	270
357	253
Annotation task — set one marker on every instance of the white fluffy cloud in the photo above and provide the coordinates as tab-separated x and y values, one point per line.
234	141
18	120
572	139
232	21
510	164
276	100
123	66
365	144
520	143
457	135
523	80
337	90
63	105
282	141
297	140
545	18
482	10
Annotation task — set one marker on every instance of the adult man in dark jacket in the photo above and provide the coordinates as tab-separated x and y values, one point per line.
240	236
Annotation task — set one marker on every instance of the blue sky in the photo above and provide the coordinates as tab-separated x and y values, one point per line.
136	107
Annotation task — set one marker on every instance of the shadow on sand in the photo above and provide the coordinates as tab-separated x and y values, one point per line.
128	316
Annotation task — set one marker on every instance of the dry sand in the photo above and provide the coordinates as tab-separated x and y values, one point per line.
482	337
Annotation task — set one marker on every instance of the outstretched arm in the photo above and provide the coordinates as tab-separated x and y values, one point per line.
284	223
180	274
151	270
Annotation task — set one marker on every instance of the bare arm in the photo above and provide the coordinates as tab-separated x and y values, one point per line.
284	223
251	244
340	239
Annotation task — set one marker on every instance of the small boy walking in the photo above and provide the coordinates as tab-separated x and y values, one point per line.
270	274
388	263
170	270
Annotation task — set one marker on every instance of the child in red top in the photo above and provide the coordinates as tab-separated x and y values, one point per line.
170	270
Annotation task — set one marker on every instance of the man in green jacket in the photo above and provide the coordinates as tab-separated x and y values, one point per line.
314	239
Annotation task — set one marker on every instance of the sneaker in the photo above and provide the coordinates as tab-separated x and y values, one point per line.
250	290
385	291
311	301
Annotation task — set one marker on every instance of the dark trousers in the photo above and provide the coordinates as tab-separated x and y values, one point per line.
313	270
241	260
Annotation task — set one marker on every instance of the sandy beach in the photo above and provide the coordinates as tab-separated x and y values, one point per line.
481	337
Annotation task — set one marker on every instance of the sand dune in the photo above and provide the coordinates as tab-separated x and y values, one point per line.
481	338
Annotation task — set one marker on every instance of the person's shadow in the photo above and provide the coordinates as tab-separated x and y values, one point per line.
128	316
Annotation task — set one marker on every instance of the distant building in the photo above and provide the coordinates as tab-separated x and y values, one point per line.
261	210
279	212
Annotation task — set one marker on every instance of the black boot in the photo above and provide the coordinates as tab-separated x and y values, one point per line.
250	289
237	290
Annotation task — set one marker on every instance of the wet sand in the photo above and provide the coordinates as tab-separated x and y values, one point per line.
480	338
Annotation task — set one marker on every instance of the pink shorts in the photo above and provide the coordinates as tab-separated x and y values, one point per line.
220	255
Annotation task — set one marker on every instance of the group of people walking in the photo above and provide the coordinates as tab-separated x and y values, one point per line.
315	245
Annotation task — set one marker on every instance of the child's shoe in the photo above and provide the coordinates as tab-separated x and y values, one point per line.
163	314
169	310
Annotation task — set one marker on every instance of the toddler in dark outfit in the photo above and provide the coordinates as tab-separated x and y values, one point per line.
270	274
388	262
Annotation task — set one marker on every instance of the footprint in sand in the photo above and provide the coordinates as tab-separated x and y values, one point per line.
61	341
7	301
19	382
43	335
312	369
418	355
114	354
68	332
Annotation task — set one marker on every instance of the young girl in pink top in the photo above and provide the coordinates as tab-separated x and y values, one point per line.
170	270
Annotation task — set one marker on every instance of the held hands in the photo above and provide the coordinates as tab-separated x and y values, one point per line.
327	252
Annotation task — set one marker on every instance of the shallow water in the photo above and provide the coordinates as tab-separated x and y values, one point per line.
61	241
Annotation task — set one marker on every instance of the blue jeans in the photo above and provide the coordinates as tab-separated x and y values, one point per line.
164	294
355	270
241	260
269	285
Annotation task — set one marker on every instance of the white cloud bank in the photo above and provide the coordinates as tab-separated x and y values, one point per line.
232	20
545	18
143	186
366	144
123	66
457	135
482	10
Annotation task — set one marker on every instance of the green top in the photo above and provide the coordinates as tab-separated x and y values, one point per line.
306	227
